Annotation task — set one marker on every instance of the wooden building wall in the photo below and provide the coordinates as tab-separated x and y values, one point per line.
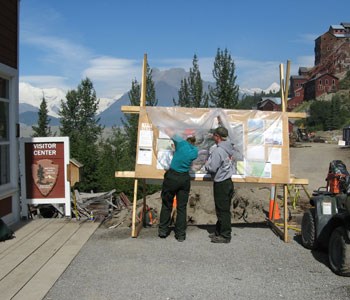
8	33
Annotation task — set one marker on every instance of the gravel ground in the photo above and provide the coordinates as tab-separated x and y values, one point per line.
255	265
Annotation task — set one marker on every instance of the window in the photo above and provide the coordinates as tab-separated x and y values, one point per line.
326	82
4	132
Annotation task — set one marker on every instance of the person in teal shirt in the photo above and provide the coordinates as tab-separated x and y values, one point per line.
177	182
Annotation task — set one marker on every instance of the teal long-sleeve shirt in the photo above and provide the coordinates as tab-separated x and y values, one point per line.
185	153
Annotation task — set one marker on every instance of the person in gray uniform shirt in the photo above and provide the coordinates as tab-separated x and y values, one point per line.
220	166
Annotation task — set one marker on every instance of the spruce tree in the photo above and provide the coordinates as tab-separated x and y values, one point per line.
130	122
195	85
79	123
114	155
43	129
191	92
225	92
184	95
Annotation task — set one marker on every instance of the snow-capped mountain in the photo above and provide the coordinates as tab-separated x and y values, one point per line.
30	98
274	87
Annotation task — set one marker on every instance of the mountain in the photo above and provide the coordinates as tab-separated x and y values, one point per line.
31	95
30	98
166	82
31	118
112	115
274	87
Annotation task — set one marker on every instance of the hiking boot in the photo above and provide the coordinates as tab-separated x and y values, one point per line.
180	239
163	235
213	234
220	239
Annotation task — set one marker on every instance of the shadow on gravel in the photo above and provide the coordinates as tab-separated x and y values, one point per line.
320	255
211	228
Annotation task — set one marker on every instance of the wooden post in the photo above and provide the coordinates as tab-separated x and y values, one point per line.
286	86
134	208
143	82
285	198
282	87
135	231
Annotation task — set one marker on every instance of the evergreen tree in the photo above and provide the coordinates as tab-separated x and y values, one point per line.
130	122
249	102
151	99
184	95
319	115
113	155
191	89
335	115
225	93
79	123
195	83
344	84
43	129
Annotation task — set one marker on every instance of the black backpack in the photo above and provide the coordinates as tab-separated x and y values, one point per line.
6	233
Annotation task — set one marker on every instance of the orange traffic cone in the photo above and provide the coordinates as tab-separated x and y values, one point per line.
173	211
274	215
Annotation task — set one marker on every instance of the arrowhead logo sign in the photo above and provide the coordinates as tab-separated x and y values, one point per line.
45	174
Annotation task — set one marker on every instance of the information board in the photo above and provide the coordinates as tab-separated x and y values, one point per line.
260	138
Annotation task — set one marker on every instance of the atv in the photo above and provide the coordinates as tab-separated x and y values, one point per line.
327	224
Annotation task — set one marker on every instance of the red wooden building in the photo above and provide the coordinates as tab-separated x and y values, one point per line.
319	85
9	190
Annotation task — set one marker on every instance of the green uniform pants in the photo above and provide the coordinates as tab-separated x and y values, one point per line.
223	193
178	184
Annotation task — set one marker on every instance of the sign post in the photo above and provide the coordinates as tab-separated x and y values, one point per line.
43	168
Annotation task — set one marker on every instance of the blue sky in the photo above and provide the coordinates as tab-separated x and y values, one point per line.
62	42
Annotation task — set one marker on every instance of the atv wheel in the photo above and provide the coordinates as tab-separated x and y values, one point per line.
339	252
308	229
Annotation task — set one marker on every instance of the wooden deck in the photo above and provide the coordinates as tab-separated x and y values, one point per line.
33	261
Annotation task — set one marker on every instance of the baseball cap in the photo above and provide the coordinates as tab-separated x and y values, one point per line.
221	131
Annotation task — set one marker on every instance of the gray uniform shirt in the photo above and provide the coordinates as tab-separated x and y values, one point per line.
219	163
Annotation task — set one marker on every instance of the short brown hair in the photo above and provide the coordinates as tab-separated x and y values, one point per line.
191	139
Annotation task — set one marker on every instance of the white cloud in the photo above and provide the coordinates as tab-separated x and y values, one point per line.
112	76
47	81
57	50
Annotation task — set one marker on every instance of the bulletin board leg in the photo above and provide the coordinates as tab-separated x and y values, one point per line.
133	222
142	218
285	198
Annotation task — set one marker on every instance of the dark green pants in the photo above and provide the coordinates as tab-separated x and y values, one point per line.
178	184
223	193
